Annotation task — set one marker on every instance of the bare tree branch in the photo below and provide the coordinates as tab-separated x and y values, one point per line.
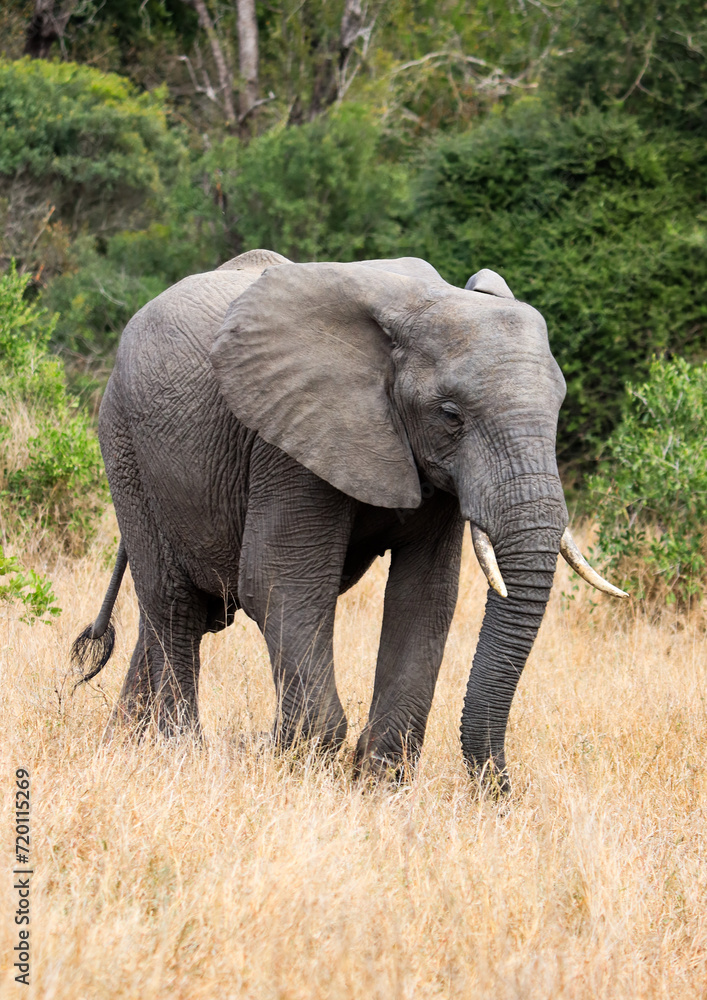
224	74
207	89
353	28
257	104
495	80
646	63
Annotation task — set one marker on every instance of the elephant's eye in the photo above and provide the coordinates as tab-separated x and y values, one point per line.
453	416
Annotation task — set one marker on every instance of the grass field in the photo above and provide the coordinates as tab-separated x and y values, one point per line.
163	871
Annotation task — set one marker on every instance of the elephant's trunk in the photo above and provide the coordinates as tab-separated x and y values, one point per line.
527	557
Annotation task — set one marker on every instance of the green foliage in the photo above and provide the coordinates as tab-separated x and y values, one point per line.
96	298
321	191
61	481
27	371
649	55
651	496
594	222
33	590
52	478
317	192
84	146
90	131
442	64
24	329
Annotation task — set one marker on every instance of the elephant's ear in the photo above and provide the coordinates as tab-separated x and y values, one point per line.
301	359
490	282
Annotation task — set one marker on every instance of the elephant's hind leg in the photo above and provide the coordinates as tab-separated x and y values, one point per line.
174	639
162	683
135	702
164	669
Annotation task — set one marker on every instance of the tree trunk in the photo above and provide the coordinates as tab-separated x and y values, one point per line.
351	28
247	56
224	75
47	26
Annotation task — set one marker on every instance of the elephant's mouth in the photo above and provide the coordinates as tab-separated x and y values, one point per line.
569	550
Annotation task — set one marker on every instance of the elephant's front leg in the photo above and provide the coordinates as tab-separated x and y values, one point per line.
420	598
294	544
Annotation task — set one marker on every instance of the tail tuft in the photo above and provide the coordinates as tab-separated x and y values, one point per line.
91	653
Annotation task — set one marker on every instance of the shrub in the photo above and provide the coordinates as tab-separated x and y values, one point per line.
646	54
34	591
88	136
320	191
52	483
651	499
95	300
78	149
27	371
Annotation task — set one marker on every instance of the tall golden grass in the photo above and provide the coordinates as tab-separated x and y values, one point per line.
226	872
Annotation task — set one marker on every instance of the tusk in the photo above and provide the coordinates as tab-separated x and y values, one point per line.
570	552
487	560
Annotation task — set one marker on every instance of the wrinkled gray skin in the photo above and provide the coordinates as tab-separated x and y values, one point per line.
268	433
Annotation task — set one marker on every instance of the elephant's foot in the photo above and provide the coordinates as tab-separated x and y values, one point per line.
390	761
322	733
129	719
178	721
376	770
492	779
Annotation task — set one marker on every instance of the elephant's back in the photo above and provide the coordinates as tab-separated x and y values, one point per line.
179	324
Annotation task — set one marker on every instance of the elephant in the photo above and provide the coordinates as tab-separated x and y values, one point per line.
270	428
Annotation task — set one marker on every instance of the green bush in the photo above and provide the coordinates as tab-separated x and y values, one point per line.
97	147
61	481
79	150
27	371
52	481
320	191
30	588
651	498
649	55
596	223
96	298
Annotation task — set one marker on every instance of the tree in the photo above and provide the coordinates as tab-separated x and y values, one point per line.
649	55
247	57
47	26
78	149
225	75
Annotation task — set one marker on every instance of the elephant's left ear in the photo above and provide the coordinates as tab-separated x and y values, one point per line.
490	282
303	357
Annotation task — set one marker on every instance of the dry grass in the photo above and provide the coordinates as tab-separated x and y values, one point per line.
165	871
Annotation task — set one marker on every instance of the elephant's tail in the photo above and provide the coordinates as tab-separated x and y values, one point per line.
92	649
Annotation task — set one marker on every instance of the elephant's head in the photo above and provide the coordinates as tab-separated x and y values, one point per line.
370	374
